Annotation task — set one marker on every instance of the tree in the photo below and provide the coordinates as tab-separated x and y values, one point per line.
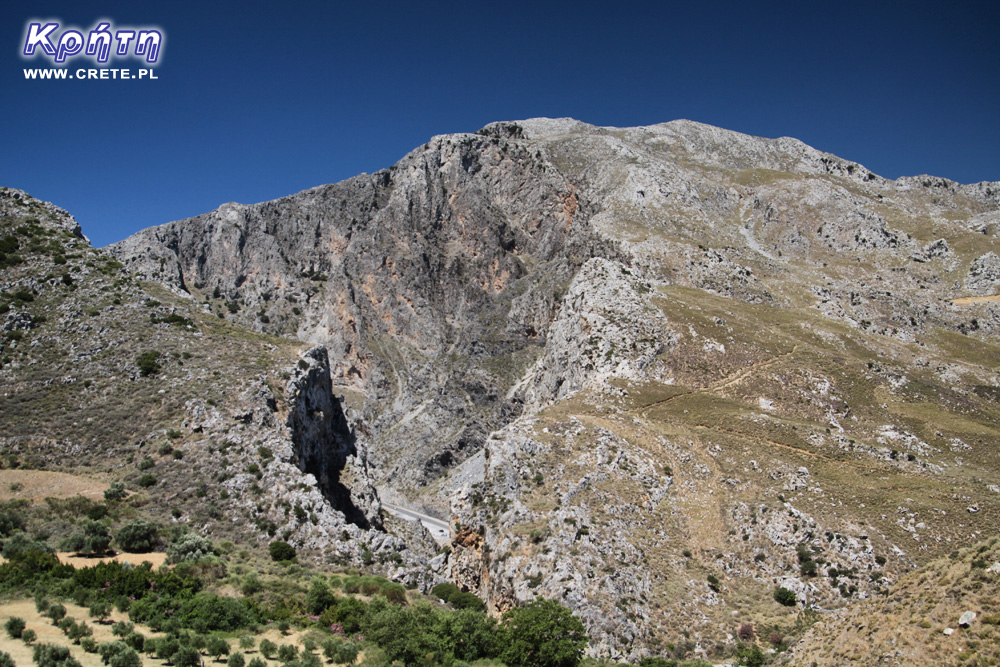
287	652
138	537
217	646
6	660
346	653
281	551
100	610
56	612
320	597
50	655
246	642
257	662
15	627
126	658
28	636
542	633
236	660
268	648
92	540
189	547
185	656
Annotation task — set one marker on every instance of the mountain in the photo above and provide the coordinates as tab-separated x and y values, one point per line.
655	373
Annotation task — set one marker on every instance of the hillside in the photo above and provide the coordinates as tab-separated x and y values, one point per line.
920	621
654	373
235	434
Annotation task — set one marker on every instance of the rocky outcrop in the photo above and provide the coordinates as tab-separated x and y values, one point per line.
322	441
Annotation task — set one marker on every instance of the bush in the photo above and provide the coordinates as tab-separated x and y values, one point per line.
19	544
257	662
750	656
92	540
6	660
281	551
56	612
268	649
236	660
115	492
28	636
138	537
784	596
148	363
185	656
50	655
100	609
135	640
746	632
287	652
542	633
126	658
14	627
217	646
189	547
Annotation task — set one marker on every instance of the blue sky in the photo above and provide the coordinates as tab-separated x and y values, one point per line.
256	100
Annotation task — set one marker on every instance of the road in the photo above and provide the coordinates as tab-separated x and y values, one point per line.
438	528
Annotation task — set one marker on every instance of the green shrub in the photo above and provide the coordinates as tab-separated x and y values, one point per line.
56	612
28	636
14	627
784	596
147	480
750	655
217	646
287	652
138	537
148	363
50	655
100	609
268	649
281	551
115	492
236	660
185	656
542	633
92	540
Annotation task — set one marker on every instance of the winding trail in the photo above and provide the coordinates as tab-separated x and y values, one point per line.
969	300
725	383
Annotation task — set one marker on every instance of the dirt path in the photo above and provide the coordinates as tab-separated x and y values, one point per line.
725	383
968	300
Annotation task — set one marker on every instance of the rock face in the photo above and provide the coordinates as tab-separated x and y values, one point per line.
431	284
323	441
652	372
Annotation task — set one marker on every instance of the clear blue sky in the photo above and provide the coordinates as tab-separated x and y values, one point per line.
256	100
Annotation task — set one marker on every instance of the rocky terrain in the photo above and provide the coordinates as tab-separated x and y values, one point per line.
655	373
238	435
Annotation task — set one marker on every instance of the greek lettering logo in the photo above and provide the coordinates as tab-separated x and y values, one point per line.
102	43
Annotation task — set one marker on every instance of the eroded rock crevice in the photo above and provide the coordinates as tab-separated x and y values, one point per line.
323	441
